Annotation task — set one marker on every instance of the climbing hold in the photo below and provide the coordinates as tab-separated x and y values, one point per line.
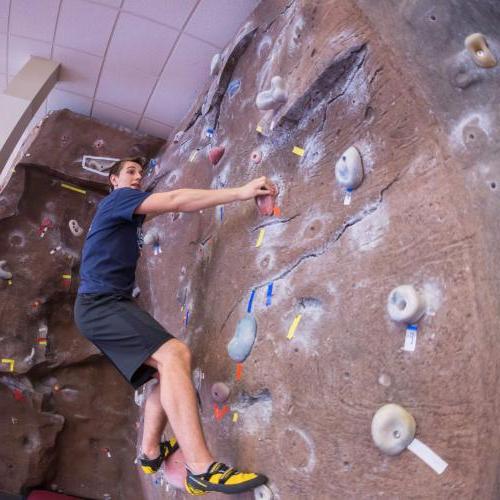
233	87
215	64
241	344
265	203
152	237
5	275
75	228
263	492
178	136
349	169
274	97
215	154
477	45
405	304
220	392
393	429
256	156
136	292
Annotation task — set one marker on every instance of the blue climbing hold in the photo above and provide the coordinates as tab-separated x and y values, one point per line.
241	344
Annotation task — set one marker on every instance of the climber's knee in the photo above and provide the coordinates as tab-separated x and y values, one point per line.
172	354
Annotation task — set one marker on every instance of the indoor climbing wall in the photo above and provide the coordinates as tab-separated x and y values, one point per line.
344	341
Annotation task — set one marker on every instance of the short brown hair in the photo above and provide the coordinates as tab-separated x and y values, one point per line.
117	166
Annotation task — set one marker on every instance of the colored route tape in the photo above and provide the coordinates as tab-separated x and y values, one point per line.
260	238
73	188
293	327
269	294
235	416
239	371
298	151
250	301
8	361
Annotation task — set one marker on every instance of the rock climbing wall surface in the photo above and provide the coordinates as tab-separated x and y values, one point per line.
68	419
372	283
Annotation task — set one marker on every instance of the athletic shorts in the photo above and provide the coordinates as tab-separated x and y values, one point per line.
122	331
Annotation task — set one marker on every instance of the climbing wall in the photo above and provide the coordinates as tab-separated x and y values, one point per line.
372	283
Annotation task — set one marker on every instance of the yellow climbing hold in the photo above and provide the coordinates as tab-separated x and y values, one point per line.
293	327
260	239
8	361
298	151
259	129
73	188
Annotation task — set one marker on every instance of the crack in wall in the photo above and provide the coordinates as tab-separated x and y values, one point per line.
273	222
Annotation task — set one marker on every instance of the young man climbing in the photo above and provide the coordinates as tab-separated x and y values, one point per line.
132	340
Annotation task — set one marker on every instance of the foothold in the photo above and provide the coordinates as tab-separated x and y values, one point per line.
274	97
241	344
152	237
393	429
178	136
384	380
405	304
233	87
5	275
263	492
349	169
256	156
215	64
136	292
75	228
477	45
220	392
265	203
215	154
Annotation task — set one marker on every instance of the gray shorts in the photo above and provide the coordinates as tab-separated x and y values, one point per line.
122	331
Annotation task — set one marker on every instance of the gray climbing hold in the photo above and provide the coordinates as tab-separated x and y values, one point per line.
75	228
215	64
393	429
5	275
405	304
274	97
478	47
152	237
136	292
263	492
220	392
241	344
178	136
349	169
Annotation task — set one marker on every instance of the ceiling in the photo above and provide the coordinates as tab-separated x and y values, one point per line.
134	63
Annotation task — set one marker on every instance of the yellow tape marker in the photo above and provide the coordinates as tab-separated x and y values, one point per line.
9	282
10	362
293	327
235	416
298	151
259	129
260	238
73	188
193	155
66	276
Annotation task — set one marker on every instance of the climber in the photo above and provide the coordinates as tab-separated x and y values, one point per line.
138	346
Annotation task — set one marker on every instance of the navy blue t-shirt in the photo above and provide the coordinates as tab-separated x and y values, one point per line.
113	244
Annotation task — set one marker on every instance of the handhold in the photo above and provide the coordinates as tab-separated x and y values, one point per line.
393	429
215	64
265	203
215	154
241	344
349	169
5	275
263	492
175	471
274	97
405	304
136	292
220	392
75	228
256	156
178	136
152	237
477	45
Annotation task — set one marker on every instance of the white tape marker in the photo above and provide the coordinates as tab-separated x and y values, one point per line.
410	338
348	197
433	460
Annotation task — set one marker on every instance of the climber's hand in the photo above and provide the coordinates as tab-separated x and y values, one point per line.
258	187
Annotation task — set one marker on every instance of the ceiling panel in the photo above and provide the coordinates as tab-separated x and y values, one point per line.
155	128
3	53
111	3
135	45
59	99
85	26
4	15
170	12
111	114
79	71
183	77
21	49
3	82
34	19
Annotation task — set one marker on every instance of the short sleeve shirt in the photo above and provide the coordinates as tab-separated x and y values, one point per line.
113	244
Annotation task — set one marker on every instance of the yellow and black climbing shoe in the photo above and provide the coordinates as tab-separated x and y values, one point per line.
223	479
150	466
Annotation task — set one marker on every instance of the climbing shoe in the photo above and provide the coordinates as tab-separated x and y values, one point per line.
150	466
223	479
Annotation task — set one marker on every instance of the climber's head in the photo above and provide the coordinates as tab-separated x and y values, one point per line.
127	173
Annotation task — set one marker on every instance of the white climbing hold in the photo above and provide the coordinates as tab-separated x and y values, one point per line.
478	47
5	275
405	304
152	237
393	429
274	97
349	169
263	492
75	228
215	64
178	136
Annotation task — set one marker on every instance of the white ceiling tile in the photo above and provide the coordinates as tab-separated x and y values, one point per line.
3	83
3	53
111	3
140	44
79	71
85	26
171	12
4	15
183	78
125	89
34	19
59	99
155	128
110	114
218	25
20	50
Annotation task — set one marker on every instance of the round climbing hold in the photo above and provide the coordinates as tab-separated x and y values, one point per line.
349	169
263	492
241	344
215	64
220	392
5	275
274	97
75	228
478	47
405	304
215	154
178	136
393	429
256	156
152	236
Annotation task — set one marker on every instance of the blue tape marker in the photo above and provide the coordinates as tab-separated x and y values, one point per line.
187	318
412	327
233	87
269	293
221	213
250	302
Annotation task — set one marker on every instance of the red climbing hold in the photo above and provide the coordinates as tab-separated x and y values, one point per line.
266	202
215	154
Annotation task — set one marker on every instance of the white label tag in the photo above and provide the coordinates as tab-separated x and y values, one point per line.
348	197
410	338
433	460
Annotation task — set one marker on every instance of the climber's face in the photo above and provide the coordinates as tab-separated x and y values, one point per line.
129	176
